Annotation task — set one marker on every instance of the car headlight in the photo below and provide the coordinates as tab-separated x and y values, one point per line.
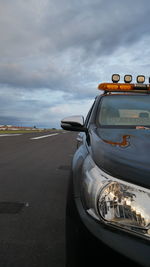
115	202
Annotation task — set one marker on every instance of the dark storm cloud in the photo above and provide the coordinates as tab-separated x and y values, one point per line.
14	110
97	27
11	120
66	47
88	29
19	75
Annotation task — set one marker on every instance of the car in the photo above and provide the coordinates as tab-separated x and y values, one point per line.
108	200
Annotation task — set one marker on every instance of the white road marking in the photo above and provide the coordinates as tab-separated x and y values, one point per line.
44	136
2	135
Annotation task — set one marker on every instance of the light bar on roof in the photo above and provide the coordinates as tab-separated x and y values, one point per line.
116	87
124	87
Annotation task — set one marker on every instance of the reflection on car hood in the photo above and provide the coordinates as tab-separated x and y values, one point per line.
123	153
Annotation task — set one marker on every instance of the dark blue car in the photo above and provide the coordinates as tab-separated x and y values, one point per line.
108	203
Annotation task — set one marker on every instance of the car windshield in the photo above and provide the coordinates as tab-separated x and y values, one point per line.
124	110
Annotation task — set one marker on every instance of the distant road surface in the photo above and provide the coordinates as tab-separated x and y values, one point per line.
34	171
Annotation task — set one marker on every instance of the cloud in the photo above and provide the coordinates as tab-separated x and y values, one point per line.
43	43
99	27
54	53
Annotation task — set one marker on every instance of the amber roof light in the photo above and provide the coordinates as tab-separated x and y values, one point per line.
126	86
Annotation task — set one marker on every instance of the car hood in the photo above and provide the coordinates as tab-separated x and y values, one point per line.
123	153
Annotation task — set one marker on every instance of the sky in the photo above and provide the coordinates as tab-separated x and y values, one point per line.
54	53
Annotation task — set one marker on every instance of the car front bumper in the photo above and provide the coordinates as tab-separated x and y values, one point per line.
132	247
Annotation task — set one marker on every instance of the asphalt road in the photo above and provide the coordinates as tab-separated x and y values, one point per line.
33	184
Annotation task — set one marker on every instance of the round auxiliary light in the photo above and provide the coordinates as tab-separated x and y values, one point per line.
115	78
140	79
128	78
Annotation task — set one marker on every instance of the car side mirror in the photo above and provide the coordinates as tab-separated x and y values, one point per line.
73	123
